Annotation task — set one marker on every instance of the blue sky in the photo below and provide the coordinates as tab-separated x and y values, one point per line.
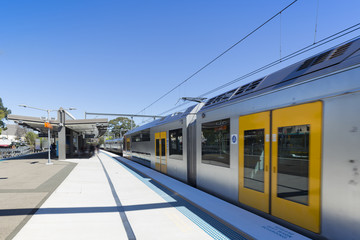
120	56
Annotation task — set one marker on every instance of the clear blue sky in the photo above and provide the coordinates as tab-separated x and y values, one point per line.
120	56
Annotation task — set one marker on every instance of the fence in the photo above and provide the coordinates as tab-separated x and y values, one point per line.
9	152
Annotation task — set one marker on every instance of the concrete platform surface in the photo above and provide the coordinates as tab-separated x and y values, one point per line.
105	198
24	186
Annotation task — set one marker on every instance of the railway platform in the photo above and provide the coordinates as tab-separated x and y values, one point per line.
110	197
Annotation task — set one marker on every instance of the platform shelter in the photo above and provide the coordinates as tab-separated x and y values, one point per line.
68	133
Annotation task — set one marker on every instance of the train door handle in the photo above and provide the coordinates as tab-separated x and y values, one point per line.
274	169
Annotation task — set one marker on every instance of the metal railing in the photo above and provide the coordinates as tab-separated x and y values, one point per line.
19	151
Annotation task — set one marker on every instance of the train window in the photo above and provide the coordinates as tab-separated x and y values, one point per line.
135	138
176	142
215	143
163	145
293	163
143	136
157	143
254	159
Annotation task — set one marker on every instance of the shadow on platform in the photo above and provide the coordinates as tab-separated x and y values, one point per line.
71	210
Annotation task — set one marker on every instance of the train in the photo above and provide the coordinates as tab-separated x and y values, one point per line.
285	146
113	145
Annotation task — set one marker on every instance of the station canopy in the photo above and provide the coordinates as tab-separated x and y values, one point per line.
94	127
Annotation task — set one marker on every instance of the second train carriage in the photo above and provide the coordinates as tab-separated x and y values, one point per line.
285	146
114	145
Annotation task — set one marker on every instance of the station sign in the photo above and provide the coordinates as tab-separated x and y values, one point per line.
89	135
41	135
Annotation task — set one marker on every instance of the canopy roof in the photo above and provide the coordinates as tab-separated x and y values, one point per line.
95	127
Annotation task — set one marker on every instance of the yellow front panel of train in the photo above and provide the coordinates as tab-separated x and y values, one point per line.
296	164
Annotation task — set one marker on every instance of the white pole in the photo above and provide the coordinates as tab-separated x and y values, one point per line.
49	159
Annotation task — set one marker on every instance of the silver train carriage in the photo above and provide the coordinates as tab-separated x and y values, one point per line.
286	146
114	145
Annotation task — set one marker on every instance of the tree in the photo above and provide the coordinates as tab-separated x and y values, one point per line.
20	132
120	125
4	112
30	138
101	140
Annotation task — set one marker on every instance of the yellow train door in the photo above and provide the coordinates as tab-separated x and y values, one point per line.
254	147
296	164
160	152
294	167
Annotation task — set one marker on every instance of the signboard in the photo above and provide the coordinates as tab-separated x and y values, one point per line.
37	144
41	135
234	139
48	125
89	135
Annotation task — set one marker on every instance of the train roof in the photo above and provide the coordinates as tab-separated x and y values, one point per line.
311	67
167	119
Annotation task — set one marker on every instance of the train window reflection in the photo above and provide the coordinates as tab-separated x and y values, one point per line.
215	143
176	142
254	159
293	163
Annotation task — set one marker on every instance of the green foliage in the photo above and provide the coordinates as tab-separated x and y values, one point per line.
122	124
101	140
30	138
3	114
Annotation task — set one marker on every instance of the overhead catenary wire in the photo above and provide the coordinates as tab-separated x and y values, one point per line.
316	21
280	38
274	63
217	57
290	56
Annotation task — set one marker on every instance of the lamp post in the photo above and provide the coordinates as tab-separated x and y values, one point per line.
49	142
48	119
